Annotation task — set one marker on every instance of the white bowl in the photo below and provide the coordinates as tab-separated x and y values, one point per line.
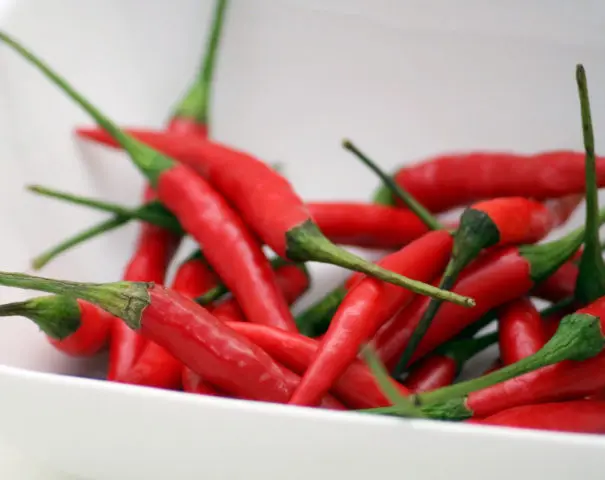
404	79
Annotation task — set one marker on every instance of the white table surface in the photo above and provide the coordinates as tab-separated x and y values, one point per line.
17	466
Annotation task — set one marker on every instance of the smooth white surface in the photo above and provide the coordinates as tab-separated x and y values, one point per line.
405	79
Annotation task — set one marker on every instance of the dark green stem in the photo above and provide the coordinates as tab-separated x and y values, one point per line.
422	213
57	316
152	212
316	319
590	284
195	103
45	257
150	162
307	243
126	300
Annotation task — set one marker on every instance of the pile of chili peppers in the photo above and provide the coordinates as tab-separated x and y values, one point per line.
394	338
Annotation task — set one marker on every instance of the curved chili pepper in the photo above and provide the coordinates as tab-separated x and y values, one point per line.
561	284
521	330
149	263
357	385
229	246
185	329
450	181
496	222
365	308
74	327
442	368
580	416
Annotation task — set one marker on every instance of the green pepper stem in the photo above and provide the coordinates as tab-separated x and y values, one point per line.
422	213
307	243
47	256
196	102
316	319
152	212
590	283
126	300
383	196
56	315
149	161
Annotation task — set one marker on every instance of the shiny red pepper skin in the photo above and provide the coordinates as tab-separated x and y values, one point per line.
580	416
155	367
211	349
230	248
149	263
521	330
91	337
562	283
188	127
518	220
450	181
356	386
431	373
564	380
366	225
228	311
492	280
365	308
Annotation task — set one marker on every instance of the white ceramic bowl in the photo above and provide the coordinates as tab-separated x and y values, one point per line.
405	79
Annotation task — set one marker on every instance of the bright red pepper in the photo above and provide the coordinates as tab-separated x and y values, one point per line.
193	335
561	284
366	224
365	308
580	416
451	181
193	383
357	386
521	330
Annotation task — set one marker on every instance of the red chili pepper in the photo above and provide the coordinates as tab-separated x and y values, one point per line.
521	330
442	368
152	256
365	308
314	321
496	222
366	224
357	386
580	416
451	181
83	328
561	284
210	348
